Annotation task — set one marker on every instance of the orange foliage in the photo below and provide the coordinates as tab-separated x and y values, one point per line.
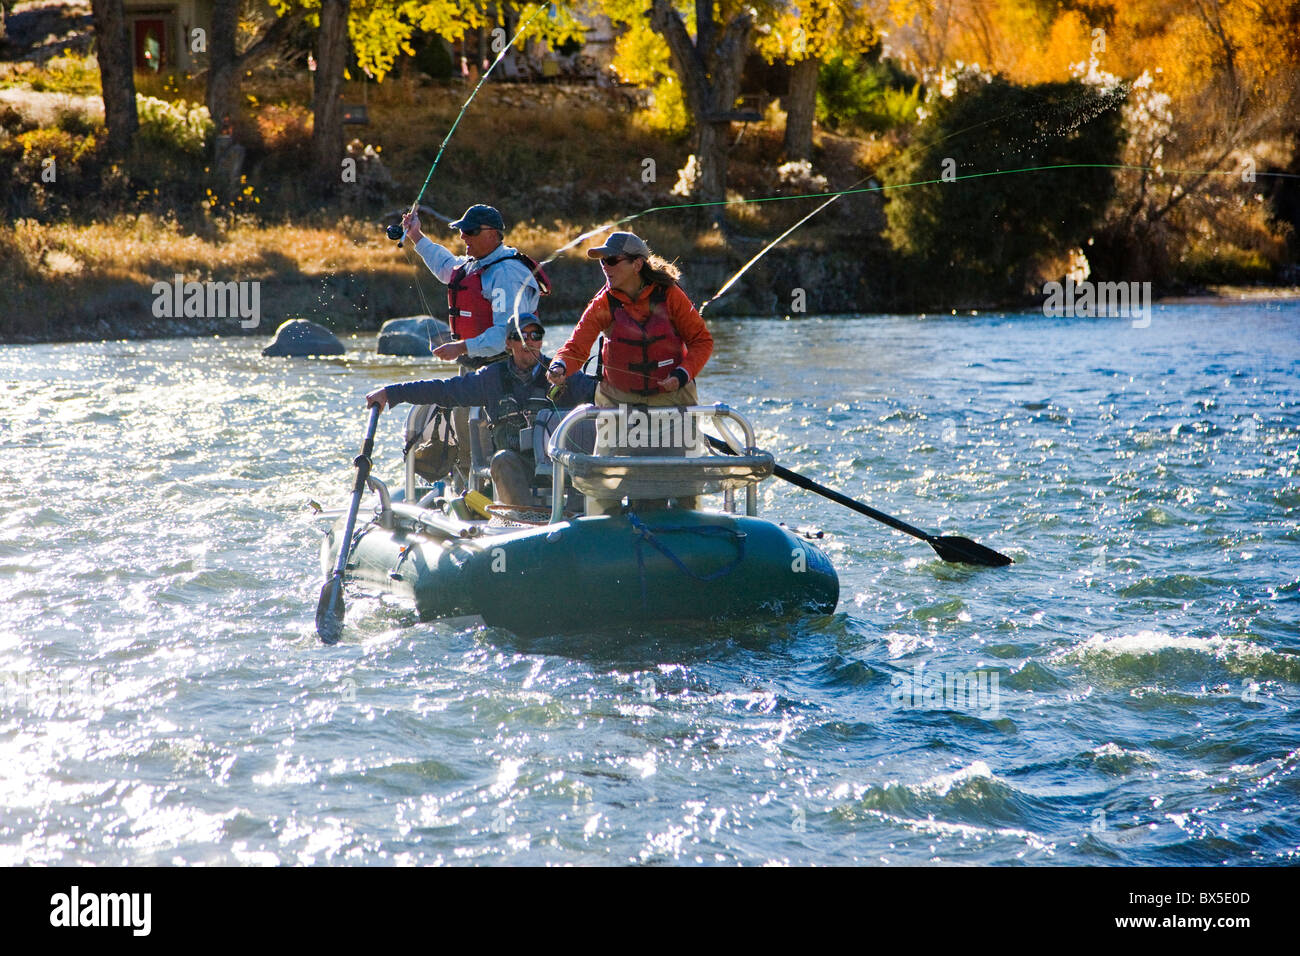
1246	51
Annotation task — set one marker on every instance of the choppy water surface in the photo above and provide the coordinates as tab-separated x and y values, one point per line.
165	698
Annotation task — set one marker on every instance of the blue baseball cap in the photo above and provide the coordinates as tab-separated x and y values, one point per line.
478	216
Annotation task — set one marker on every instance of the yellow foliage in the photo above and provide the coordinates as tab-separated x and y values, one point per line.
815	28
1069	41
641	57
381	30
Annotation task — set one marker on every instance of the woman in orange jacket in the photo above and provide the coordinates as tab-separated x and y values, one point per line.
655	341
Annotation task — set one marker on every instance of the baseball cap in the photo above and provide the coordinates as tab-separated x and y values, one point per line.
477	216
620	244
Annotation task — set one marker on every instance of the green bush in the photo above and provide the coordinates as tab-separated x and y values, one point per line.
76	75
68	150
14	122
865	95
74	121
1213	263
434	60
29	158
984	235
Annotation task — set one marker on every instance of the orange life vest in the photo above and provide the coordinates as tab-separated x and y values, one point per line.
638	356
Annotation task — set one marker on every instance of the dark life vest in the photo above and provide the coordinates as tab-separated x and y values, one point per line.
521	401
469	311
637	356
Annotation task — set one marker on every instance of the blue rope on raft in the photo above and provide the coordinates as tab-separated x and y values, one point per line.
647	535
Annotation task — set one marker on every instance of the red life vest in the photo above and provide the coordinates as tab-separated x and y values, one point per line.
638	356
469	311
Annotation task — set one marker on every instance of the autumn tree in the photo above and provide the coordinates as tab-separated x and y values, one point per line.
709	66
693	53
373	33
227	63
1215	89
1217	94
805	34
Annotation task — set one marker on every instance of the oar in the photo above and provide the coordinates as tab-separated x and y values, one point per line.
330	609
952	548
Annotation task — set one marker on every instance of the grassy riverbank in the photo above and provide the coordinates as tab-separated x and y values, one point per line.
556	161
83	253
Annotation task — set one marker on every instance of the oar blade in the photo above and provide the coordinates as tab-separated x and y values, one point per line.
961	550
330	611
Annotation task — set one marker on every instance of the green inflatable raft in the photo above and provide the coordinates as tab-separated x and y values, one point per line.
653	556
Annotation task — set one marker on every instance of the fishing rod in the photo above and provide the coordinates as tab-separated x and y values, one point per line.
762	252
330	607
395	231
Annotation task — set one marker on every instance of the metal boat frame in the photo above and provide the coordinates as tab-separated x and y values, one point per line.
660	476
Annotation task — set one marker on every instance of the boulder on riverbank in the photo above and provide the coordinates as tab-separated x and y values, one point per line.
299	337
412	335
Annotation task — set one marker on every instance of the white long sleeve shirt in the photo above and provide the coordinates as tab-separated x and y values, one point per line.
501	287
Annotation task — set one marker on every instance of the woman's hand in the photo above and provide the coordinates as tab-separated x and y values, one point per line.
671	384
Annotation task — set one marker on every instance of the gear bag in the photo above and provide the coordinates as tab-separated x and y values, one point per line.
433	438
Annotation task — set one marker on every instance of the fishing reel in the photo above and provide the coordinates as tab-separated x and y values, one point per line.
395	232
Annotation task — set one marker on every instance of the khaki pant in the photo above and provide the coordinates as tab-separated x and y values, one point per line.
512	480
609	397
460	418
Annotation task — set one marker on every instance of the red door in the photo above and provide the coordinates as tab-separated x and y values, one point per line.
150	49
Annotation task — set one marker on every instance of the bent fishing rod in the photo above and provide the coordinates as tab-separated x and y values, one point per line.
395	231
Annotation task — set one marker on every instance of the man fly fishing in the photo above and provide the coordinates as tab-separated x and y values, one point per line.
486	287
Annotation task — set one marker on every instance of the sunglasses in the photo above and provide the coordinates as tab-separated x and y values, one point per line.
471	233
531	336
615	260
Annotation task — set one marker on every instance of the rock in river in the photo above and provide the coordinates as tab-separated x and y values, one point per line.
301	337
412	335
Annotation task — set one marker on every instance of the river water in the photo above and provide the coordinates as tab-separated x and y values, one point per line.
1133	678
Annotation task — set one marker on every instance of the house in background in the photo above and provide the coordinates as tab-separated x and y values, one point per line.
161	34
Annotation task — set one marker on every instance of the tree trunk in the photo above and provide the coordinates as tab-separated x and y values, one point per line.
116	73
800	107
711	151
223	71
226	65
327	105
709	69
